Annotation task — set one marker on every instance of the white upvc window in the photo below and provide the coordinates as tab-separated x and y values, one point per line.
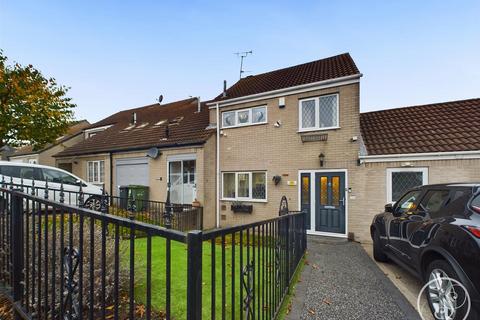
244	186
400	180
244	117
96	171
318	113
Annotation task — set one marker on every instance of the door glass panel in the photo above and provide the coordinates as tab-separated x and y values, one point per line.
324	191
243	185
305	190
336	191
175	179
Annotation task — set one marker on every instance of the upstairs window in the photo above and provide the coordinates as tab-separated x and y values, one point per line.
244	117
319	113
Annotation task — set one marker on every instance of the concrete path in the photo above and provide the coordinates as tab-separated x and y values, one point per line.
340	281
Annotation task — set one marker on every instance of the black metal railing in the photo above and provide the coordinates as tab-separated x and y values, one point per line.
59	261
182	217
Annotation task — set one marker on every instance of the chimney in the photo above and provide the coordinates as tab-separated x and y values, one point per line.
134	118
224	88
199	107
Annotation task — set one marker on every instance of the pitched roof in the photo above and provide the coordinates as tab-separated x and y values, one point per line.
437	127
172	124
325	69
75	129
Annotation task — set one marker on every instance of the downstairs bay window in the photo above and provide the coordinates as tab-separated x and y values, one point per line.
244	186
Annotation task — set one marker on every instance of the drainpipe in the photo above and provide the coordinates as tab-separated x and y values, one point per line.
111	174
218	168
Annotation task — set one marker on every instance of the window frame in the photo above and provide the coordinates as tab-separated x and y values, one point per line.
389	173
250	117
99	176
317	127
250	186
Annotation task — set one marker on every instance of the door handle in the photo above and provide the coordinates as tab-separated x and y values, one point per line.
343	201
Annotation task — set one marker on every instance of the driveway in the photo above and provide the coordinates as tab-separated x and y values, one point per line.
340	281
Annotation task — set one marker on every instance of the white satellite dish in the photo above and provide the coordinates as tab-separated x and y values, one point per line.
153	153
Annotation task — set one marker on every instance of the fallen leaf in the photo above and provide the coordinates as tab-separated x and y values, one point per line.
311	311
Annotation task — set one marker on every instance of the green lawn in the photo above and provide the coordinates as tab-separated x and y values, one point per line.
179	276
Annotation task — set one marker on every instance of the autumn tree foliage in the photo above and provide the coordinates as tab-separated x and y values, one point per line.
34	110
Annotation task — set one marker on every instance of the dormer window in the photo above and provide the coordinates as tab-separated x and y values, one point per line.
319	113
130	127
175	121
161	122
143	125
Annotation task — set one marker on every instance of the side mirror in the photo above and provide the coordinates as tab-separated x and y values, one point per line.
389	207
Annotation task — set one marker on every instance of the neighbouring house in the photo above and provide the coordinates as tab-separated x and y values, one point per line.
151	146
6	151
299	132
44	155
410	146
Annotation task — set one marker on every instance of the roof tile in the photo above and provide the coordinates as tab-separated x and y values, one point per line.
438	127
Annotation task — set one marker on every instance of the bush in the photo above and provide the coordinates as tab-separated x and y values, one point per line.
55	256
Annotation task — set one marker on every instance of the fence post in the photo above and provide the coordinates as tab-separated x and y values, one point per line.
287	232
17	249
194	275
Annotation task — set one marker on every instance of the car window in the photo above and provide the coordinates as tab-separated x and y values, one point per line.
11	171
476	203
433	201
407	202
58	176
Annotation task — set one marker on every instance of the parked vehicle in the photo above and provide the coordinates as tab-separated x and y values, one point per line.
25	175
433	231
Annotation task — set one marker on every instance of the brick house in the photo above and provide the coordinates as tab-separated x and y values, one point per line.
45	154
150	146
299	132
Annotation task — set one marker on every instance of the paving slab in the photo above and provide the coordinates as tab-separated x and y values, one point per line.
340	281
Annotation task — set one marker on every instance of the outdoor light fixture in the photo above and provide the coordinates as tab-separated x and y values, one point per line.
322	159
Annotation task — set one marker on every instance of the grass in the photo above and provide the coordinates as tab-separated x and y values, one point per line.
179	277
286	305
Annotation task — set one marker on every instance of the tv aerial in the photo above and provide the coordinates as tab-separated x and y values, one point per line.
160	99
242	55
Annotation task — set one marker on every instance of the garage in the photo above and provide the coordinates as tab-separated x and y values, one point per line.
131	171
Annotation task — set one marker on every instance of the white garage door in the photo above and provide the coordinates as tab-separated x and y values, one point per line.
131	171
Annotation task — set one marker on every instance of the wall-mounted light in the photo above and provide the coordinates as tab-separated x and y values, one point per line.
321	157
276	179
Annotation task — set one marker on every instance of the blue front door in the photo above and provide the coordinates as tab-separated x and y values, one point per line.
330	202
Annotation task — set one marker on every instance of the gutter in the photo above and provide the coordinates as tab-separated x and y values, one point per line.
130	149
453	155
290	90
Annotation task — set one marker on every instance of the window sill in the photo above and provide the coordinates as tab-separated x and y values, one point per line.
244	125
317	129
244	200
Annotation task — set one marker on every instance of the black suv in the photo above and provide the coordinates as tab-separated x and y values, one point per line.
433	231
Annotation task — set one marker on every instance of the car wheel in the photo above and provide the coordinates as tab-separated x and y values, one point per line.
378	253
446	299
93	203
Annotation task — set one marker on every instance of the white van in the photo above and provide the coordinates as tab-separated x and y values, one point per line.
15	171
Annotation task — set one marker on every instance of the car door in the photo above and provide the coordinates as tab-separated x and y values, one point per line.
424	221
55	179
398	223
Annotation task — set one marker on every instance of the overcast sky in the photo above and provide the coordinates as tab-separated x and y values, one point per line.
122	54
